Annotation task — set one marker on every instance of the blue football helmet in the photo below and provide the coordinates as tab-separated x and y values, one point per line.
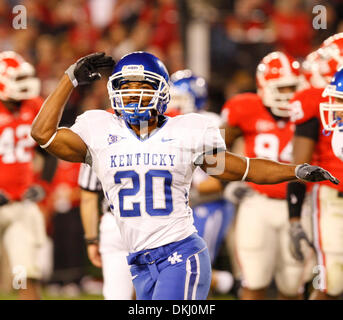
328	110
139	67
188	92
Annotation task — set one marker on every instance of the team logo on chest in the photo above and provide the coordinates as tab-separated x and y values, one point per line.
114	138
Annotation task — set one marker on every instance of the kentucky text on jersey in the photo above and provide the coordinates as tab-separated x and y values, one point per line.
137	159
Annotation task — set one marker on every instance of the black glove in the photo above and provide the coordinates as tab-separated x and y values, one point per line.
35	193
86	69
314	173
297	234
3	199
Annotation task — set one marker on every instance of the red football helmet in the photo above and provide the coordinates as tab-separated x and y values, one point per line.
315	70
17	81
331	54
276	71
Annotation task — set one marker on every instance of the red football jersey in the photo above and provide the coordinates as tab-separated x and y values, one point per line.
65	182
306	106
264	136
17	148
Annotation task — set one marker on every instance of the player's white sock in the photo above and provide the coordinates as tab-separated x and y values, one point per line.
224	281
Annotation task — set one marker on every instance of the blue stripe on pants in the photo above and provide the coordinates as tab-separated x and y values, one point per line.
193	276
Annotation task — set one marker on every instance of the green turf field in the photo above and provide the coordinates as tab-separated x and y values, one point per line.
50	297
45	296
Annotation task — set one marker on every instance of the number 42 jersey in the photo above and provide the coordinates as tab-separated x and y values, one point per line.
17	148
147	181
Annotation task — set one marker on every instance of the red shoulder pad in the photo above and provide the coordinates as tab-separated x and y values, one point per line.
239	107
305	105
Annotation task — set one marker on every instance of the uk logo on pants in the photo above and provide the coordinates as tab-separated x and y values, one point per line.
175	258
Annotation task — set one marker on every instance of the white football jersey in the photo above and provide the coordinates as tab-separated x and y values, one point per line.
337	144
147	181
199	175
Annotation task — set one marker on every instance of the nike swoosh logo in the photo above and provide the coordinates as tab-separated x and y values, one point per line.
134	277
166	140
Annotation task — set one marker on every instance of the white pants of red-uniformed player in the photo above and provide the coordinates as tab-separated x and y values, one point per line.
328	239
263	247
116	272
22	230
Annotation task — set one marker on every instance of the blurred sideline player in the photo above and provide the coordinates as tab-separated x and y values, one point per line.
212	214
262	239
22	228
69	251
105	250
310	145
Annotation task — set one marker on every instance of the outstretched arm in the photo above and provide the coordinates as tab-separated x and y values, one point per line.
64	143
230	167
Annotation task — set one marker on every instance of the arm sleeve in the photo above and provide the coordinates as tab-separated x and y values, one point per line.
80	127
211	143
296	192
308	129
49	167
88	180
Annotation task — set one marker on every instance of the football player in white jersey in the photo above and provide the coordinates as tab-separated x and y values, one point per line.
331	113
145	162
105	248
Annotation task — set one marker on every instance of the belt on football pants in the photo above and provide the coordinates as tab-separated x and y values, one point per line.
149	256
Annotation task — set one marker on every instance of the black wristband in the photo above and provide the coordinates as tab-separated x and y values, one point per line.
296	192
94	240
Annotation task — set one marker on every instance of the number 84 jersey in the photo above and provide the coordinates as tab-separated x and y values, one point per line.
264	135
147	181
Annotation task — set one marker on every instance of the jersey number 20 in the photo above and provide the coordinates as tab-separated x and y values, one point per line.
149	195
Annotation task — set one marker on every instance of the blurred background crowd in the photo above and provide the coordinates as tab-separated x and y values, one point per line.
239	34
221	40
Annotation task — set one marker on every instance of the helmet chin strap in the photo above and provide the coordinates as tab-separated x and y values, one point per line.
338	122
136	117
